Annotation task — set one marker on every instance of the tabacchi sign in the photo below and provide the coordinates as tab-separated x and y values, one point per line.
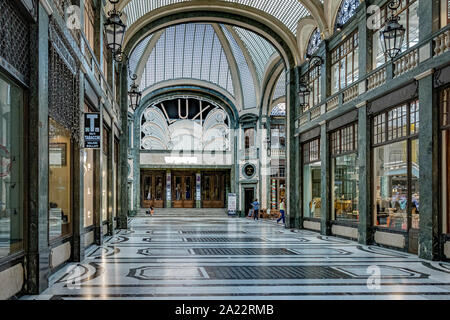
92	133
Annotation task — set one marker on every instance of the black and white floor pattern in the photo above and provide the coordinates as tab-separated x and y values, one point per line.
191	254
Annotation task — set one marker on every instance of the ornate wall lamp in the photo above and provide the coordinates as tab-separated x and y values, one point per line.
393	34
304	91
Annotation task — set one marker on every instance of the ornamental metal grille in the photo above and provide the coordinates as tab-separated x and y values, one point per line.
64	98
15	38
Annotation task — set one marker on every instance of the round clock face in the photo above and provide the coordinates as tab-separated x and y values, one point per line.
249	170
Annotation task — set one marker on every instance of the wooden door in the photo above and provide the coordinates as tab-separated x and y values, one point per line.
183	186
213	190
152	189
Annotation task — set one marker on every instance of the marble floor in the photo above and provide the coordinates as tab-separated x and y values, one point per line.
204	254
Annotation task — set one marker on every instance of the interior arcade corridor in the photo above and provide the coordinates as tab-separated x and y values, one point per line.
204	254
332	116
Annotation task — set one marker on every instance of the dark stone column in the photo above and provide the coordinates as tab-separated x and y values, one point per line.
38	255
365	176
292	207
122	217
78	188
364	43
299	185
428	12
325	181
429	169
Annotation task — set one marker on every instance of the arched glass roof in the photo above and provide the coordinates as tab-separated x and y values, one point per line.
187	51
288	12
223	55
280	88
259	49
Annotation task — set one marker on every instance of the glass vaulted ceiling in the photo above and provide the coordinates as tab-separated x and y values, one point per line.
196	51
288	12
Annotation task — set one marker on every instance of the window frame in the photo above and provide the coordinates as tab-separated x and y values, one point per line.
340	54
408	138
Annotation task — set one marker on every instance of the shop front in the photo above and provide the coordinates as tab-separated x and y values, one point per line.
396	194
344	181
445	169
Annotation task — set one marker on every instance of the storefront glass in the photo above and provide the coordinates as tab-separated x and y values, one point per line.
446	181
88	155
60	181
345	184
396	193
311	180
105	180
11	163
445	159
391	185
345	173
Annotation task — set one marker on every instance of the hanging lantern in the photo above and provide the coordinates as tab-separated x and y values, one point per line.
115	30
303	93
134	96
393	34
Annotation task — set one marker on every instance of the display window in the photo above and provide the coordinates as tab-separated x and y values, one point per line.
345	174
311	179
60	180
116	178
277	183
396	194
445	160
11	168
105	176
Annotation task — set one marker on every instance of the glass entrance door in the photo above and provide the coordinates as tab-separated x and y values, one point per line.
182	189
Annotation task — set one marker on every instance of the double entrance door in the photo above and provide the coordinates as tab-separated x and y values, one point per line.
153	189
183	189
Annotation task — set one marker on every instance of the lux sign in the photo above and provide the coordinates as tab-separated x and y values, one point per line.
92	134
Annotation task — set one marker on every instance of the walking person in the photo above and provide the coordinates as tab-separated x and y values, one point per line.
152	211
282	211
255	209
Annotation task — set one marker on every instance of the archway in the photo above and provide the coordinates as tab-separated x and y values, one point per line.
236	15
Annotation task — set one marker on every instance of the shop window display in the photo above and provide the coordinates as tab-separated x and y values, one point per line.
60	181
445	159
11	163
311	179
345	174
105	184
395	168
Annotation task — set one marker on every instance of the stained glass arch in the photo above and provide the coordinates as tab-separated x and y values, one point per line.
346	11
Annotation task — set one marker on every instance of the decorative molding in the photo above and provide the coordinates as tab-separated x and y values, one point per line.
424	74
361	104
